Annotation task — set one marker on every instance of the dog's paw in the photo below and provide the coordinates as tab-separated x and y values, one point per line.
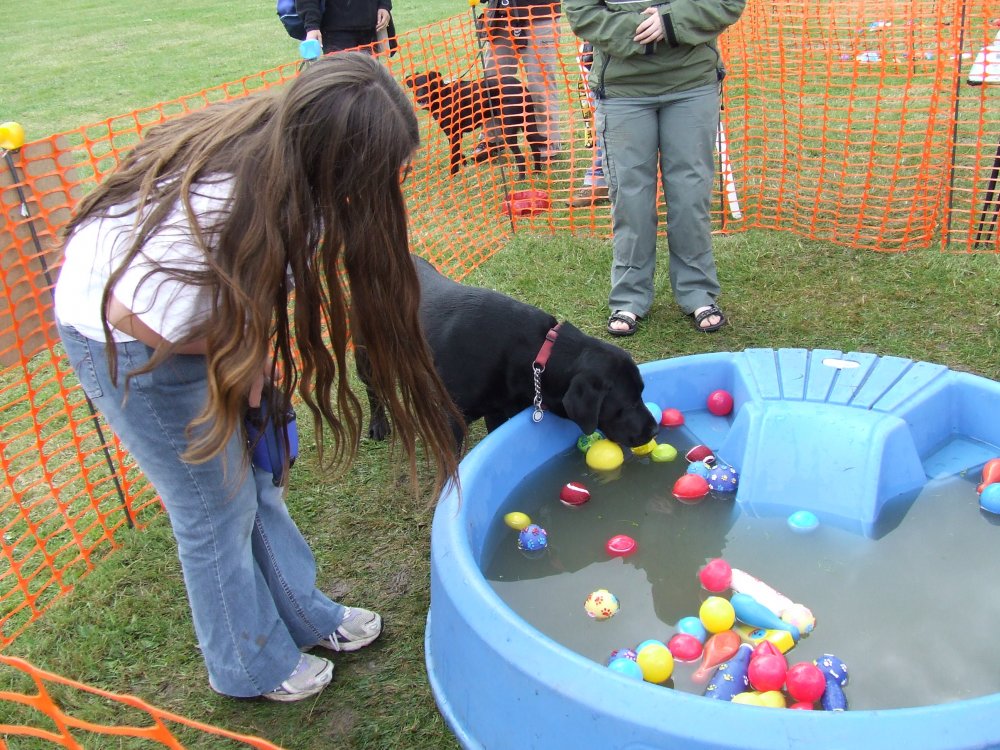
379	431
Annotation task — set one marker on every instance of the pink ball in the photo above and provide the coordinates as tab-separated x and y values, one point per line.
802	706
720	402
684	647
671	418
805	682
716	575
620	545
767	672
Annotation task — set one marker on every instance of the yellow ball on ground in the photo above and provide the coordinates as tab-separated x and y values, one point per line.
656	662
604	455
11	136
716	614
517	520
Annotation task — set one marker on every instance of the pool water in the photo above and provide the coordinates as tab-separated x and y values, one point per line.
912	611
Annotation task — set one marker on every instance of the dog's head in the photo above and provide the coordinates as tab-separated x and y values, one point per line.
605	393
424	87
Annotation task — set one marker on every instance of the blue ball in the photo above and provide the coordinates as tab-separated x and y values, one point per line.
803	521
532	538
649	642
626	667
989	498
700	468
692	626
655	410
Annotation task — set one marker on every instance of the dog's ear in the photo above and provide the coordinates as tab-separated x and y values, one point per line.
583	399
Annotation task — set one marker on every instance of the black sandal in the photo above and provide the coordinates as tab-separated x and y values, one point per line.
708	312
619	317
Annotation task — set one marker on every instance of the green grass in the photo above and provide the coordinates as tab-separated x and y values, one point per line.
126	627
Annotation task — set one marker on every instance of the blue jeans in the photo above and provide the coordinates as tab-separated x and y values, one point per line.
250	575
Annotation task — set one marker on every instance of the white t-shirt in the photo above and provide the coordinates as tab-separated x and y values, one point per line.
168	306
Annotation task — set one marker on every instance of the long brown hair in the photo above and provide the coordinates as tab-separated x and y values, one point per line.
316	191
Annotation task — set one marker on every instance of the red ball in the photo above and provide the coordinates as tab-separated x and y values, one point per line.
671	418
690	488
698	453
716	575
620	545
685	647
574	494
767	672
720	402
805	682
802	706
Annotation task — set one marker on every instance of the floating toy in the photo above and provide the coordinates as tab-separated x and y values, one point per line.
991	474
645	450
701	468
730	678
601	604
767	671
803	521
802	706
621	545
766	648
805	682
526	203
718	648
656	662
699	453
574	494
690	488
716	575
648	642
771	699
532	538
655	410
516	520
671	418
752	612
789	611
720	403
747	698
723	478
989	499
585	441
604	455
663	452
782	639
692	625
835	672
717	614
622	653
685	647
626	667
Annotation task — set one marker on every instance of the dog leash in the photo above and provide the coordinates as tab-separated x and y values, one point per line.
538	367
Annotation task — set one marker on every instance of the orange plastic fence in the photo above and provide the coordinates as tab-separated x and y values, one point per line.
849	121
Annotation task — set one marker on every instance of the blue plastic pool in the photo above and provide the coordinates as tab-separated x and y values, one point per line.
868	428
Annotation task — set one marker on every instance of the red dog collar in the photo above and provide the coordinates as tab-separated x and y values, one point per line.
538	367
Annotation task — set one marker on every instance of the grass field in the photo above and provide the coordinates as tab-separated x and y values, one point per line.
126	626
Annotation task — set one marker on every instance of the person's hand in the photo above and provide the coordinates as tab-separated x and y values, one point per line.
651	29
382	20
315	34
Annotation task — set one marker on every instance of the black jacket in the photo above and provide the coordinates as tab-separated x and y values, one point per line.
341	14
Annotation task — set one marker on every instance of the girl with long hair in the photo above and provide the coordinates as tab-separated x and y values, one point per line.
225	251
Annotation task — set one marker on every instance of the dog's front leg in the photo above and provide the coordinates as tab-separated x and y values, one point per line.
455	142
378	425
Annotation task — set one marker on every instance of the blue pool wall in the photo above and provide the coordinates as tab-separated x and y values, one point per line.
500	683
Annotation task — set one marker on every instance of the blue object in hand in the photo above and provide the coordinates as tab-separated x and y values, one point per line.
310	49
273	438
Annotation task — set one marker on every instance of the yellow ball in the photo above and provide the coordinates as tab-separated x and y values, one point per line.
716	614
11	136
604	455
748	698
601	604
772	699
664	452
643	450
656	662
517	520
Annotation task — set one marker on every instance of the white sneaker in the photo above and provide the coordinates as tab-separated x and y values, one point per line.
358	628
311	675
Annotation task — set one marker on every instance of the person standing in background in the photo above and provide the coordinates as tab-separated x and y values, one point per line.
656	77
525	31
595	186
345	24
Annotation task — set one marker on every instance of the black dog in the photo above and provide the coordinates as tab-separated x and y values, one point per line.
484	344
461	107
